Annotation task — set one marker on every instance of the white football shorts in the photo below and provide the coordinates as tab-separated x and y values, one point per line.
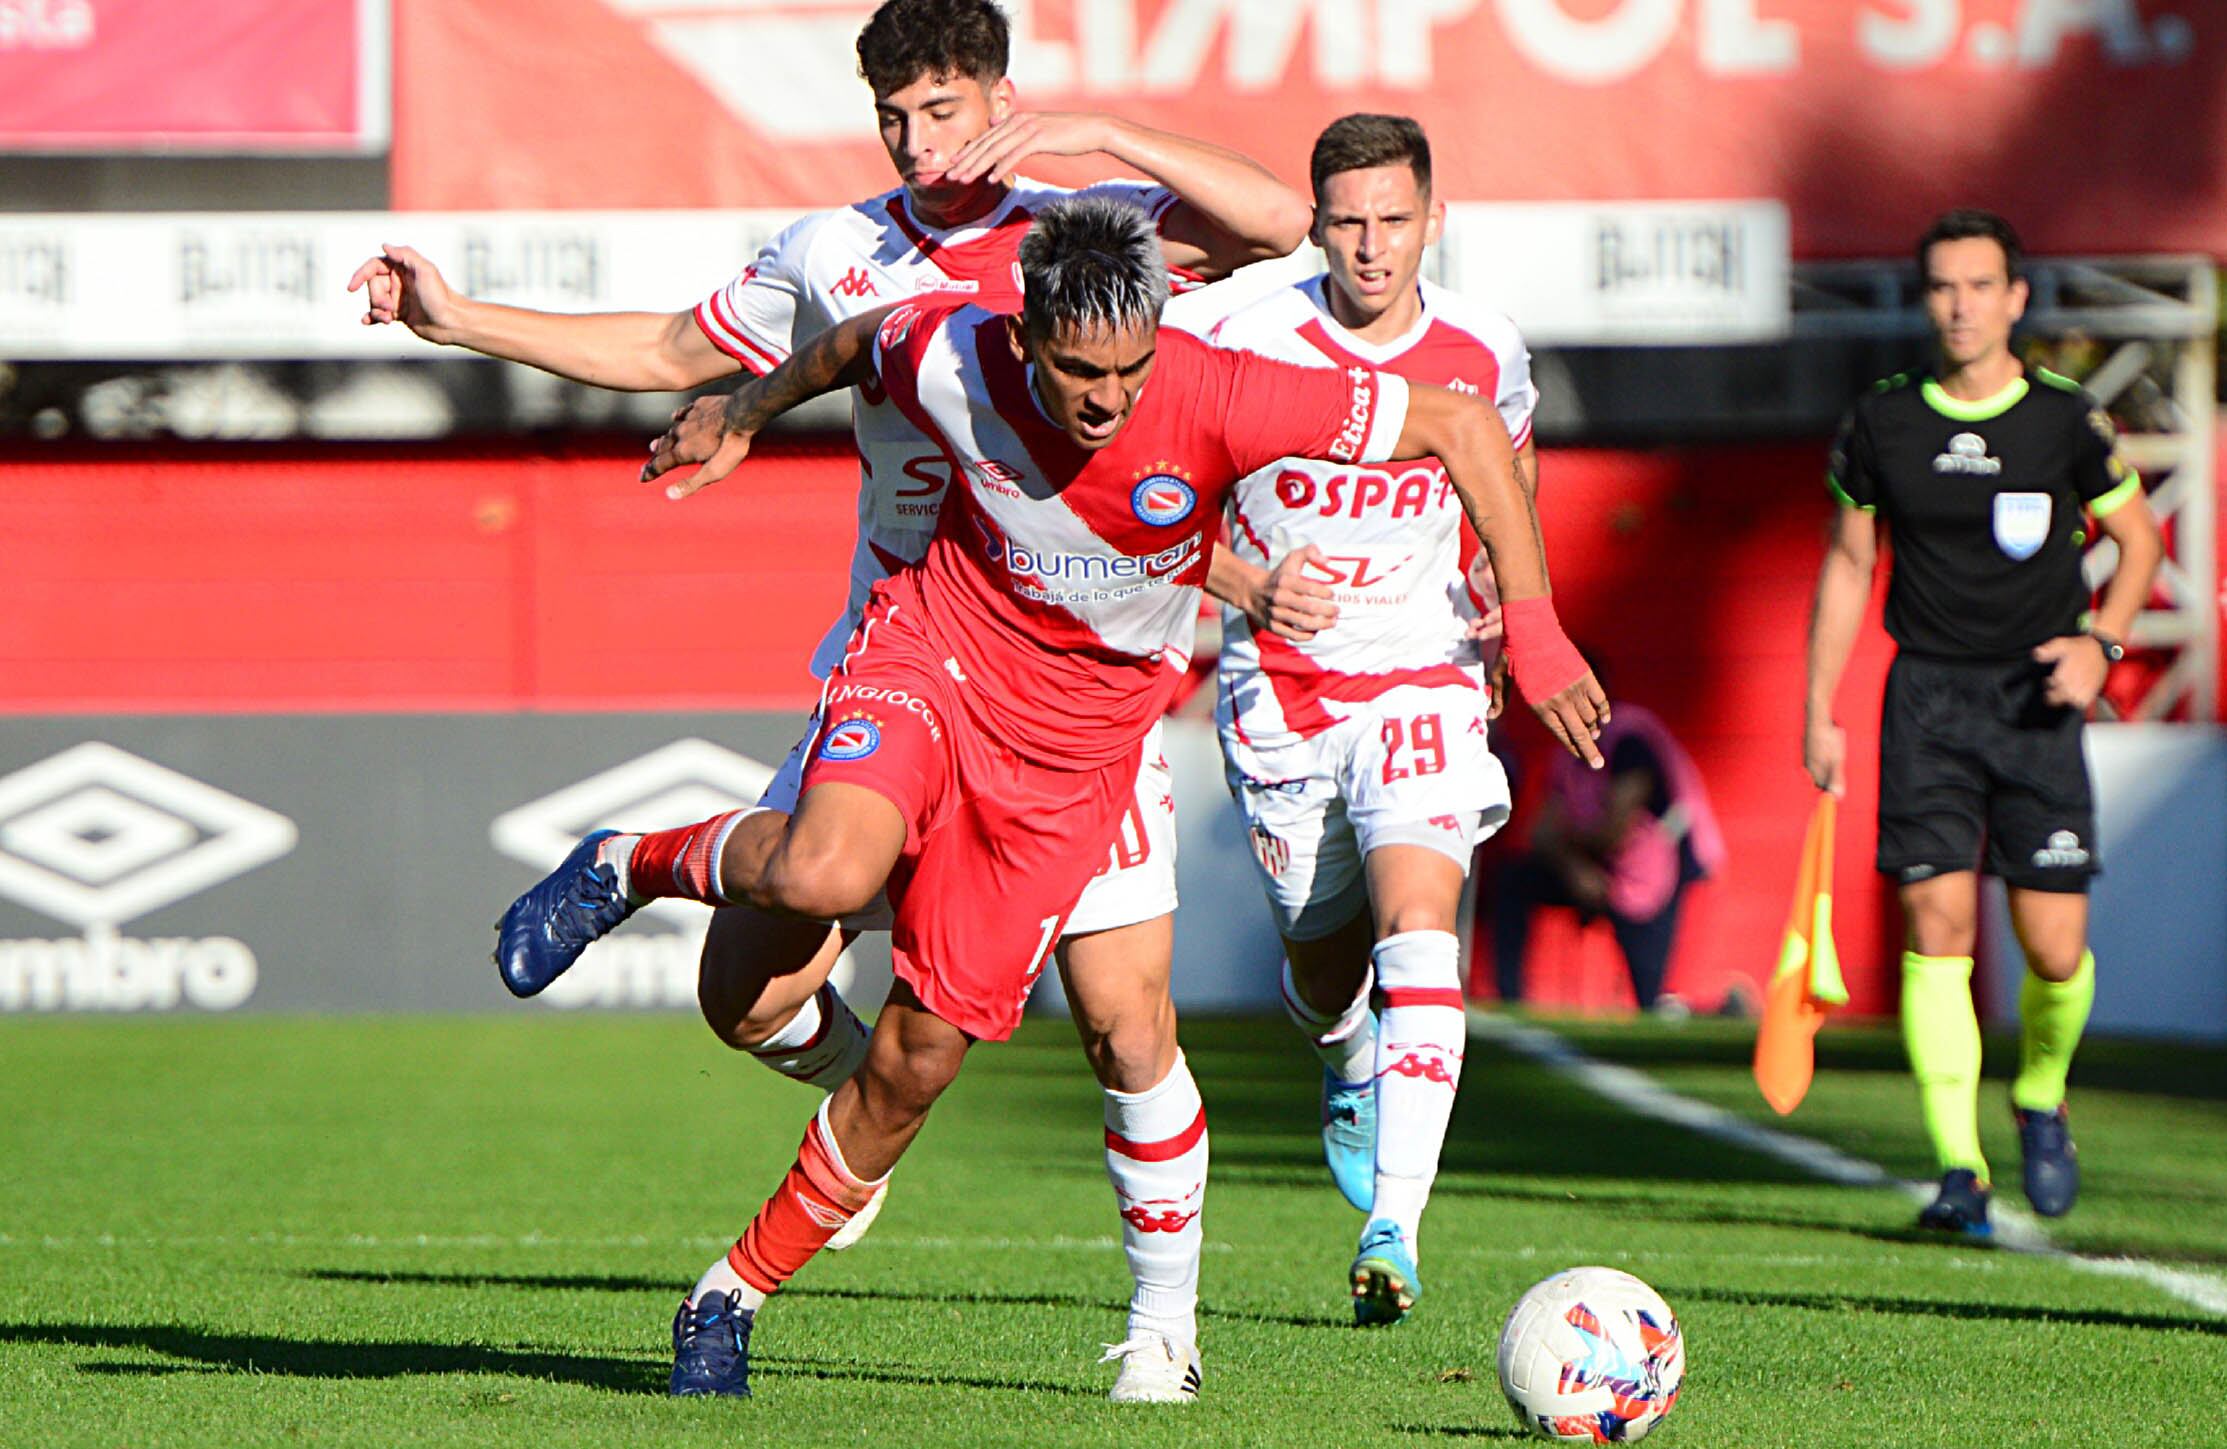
1407	768
1137	883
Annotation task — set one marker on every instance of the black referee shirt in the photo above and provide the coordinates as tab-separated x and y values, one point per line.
1985	503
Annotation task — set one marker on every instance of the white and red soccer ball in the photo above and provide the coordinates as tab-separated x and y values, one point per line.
1591	1356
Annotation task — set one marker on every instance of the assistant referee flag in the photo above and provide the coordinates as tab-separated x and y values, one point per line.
1807	984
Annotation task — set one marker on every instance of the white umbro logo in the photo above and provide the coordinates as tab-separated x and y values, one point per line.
97	836
686	781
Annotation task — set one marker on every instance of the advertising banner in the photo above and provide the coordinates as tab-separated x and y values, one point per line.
205	285
287	76
2095	124
338	863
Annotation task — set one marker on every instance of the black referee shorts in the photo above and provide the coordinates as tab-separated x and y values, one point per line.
1972	753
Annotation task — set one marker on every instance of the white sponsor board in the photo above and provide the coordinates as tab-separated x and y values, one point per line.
272	285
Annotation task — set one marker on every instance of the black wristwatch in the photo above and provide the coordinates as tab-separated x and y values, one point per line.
2113	650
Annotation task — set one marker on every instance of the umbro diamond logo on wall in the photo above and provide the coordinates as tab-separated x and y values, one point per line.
97	836
686	781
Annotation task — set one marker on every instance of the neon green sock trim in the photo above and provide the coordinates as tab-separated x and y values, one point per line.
1941	1032
2051	1016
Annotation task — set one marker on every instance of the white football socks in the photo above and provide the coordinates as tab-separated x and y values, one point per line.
1156	1156
1420	1034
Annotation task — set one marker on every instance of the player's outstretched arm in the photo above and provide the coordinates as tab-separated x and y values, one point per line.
624	351
1843	588
1283	600
1467	435
1230	209
716	432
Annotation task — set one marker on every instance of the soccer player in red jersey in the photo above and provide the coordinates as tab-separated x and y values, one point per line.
975	752
1358	755
946	113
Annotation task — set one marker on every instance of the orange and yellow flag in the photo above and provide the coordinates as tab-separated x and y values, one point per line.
1807	984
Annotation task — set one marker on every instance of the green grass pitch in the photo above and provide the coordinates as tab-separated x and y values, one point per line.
473	1231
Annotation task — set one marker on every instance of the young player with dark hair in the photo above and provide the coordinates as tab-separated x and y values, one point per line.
1358	754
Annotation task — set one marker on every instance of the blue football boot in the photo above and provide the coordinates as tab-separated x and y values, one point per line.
1349	1137
547	928
2052	1169
1960	1206
711	1348
1385	1283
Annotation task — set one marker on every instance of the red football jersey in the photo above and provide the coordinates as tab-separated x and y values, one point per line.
1066	583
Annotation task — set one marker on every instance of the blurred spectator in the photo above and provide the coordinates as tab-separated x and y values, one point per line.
1621	843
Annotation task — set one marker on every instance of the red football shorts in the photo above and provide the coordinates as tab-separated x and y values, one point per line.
997	849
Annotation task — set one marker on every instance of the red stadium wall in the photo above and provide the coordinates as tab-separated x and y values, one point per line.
422	579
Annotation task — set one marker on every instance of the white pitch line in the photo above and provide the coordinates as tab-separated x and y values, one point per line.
2015	1229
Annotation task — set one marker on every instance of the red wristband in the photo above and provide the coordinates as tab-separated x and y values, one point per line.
1540	655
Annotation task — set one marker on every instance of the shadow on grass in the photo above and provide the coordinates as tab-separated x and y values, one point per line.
236	1353
1657	1209
1462	1431
214	1352
1937	1308
575	1282
955	1298
1058	1300
852	1371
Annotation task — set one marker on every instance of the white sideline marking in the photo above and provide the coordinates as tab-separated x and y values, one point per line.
2015	1229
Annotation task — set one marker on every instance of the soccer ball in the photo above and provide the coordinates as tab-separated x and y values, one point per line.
1591	1356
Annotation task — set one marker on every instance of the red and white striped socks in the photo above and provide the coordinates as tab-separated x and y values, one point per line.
1419	1040
683	862
1156	1156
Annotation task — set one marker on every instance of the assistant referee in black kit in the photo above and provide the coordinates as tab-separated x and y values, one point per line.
1986	473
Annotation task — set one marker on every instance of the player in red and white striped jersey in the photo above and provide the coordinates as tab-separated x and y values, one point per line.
947	115
978	734
1358	756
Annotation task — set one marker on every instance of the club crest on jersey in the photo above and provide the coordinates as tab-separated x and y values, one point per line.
2021	523
1271	850
851	739
1163	498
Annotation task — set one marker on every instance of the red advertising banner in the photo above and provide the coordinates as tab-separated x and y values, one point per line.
2097	125
217	75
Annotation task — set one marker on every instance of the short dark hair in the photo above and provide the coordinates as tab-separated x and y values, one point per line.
1091	264
1966	223
908	39
1352	143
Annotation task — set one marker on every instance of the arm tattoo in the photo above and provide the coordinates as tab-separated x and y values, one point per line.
841	356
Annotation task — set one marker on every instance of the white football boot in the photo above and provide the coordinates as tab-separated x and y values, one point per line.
1155	1369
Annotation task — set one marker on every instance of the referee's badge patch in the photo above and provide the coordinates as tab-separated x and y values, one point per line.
2021	523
